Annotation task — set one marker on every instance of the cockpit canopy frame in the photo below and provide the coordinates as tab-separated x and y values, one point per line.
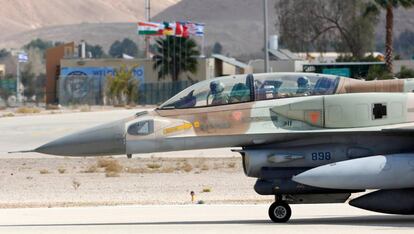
252	87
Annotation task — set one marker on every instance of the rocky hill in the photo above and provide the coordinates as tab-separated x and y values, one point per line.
236	24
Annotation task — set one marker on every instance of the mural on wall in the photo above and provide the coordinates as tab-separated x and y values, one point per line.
86	85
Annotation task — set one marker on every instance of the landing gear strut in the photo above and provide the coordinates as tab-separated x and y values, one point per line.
279	211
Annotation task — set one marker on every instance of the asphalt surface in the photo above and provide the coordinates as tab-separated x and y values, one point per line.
327	218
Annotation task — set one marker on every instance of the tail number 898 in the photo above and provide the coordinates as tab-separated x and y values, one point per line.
321	156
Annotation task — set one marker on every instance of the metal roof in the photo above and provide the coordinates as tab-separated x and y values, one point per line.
231	61
279	55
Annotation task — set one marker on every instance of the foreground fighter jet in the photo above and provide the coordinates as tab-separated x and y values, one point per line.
308	138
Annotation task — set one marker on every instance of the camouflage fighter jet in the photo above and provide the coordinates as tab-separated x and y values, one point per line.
308	138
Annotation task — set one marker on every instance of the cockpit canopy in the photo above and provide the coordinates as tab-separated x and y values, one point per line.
245	88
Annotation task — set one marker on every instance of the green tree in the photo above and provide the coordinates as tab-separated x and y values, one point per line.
127	46
28	79
388	6
217	48
405	73
40	44
321	25
377	72
174	56
96	50
4	53
122	88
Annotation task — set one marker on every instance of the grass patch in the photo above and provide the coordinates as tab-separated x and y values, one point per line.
111	174
136	170
231	165
187	167
61	170
8	115
76	184
168	170
44	171
154	166
52	107
27	110
206	190
85	108
205	167
112	167
91	169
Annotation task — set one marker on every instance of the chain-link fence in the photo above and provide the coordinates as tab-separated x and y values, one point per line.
83	89
31	91
86	90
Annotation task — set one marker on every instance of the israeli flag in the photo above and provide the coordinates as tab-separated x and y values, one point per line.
23	58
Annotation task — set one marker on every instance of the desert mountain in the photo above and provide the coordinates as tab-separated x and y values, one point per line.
24	15
236	24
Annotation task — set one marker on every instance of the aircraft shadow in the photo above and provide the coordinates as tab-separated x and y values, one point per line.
373	220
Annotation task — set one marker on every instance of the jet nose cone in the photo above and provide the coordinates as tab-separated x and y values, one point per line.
107	139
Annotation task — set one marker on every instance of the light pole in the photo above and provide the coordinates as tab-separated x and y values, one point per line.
18	96
266	37
148	19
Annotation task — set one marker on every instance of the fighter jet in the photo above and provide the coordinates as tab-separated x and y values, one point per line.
307	138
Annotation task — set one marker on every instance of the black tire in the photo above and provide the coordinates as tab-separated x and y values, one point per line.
280	212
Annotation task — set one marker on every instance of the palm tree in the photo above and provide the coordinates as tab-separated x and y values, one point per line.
389	6
122	86
174	56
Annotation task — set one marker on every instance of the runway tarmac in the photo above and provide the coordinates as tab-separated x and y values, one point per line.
326	218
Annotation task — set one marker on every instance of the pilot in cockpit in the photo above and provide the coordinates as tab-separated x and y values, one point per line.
217	93
303	86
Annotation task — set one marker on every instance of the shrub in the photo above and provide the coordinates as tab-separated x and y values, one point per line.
61	170
187	167
44	171
27	110
405	73
206	190
231	165
75	184
153	166
91	169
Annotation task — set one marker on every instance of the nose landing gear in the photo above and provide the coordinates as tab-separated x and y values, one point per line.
279	211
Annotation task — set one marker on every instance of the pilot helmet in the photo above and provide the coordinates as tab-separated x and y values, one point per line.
216	87
303	82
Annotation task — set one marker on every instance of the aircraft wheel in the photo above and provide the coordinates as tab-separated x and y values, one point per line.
280	212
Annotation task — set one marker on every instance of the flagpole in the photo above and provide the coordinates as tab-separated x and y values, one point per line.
148	18
266	37
18	80
203	47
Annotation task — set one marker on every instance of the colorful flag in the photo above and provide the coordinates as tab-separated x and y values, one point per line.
199	30
178	29
149	28
169	29
181	30
196	29
23	58
186	33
